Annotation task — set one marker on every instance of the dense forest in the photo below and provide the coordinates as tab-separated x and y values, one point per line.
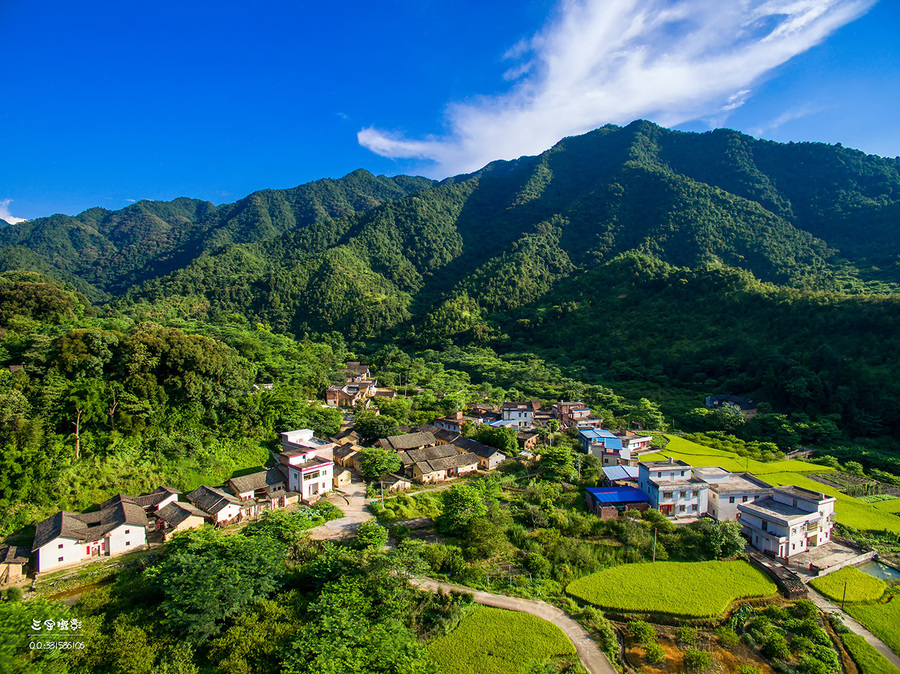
631	263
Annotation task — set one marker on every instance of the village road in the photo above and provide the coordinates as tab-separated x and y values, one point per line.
351	500
589	653
854	626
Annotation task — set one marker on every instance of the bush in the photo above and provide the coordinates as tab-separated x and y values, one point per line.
14	594
655	654
775	646
803	609
642	632
800	645
727	637
697	661
747	668
687	636
371	536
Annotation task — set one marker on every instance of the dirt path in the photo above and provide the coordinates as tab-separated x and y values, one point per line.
591	656
352	501
854	626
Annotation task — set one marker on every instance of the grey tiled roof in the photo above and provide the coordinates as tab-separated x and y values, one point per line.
13	554
88	526
469	445
409	441
210	499
176	513
428	454
270	477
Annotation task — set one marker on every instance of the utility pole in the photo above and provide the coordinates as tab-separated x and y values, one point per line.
654	544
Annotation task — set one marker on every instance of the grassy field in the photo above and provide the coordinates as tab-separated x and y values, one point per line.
408	507
888	506
883	620
700	455
692	589
869	660
860	586
495	641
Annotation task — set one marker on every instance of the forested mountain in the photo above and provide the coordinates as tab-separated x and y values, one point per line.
105	252
710	260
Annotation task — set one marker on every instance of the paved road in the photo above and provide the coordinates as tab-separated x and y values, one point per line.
352	500
591	656
854	626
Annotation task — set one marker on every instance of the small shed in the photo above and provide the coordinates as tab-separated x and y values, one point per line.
342	478
13	562
609	502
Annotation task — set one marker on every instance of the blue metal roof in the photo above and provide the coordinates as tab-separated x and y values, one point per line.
621	472
613	495
612	443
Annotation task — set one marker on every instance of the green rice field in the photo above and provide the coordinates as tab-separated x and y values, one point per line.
869	660
883	620
701	455
860	586
888	506
690	589
496	641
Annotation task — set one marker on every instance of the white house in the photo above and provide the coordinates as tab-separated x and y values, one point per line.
790	521
67	538
728	490
522	414
308	463
219	506
673	489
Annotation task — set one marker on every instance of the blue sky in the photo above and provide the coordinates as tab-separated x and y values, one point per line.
105	103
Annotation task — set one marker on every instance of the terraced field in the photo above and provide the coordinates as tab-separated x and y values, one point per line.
690	589
496	641
859	586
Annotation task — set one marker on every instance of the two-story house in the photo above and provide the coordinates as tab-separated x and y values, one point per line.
521	414
790	521
672	488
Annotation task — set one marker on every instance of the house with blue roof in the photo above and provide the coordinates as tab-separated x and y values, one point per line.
609	502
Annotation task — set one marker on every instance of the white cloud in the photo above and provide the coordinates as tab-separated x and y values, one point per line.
612	61
6	215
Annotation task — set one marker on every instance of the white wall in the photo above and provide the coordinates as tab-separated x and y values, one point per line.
72	551
125	538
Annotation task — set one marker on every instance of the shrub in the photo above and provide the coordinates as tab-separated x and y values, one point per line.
727	637
776	613
642	631
655	654
371	536
747	668
687	636
803	608
14	594
697	661
775	646
800	645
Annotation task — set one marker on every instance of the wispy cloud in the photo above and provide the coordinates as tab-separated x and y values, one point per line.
612	61
6	215
789	115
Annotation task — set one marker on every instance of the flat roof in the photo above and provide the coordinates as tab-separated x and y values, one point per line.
771	508
621	472
662	465
611	495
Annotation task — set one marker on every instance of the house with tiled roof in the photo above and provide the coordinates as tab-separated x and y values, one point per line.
68	538
488	457
435	464
221	508
176	517
13	562
408	441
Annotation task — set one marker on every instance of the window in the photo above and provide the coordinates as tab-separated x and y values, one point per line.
60	559
731	499
765	526
684	494
694	508
311	476
127	542
744	500
128	531
793	546
667	494
681	508
682	473
794	531
60	546
695	493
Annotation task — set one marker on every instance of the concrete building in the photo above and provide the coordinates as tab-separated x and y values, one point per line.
673	489
308	463
790	521
728	490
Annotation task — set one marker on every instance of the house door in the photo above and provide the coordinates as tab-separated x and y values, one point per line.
666	510
314	489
